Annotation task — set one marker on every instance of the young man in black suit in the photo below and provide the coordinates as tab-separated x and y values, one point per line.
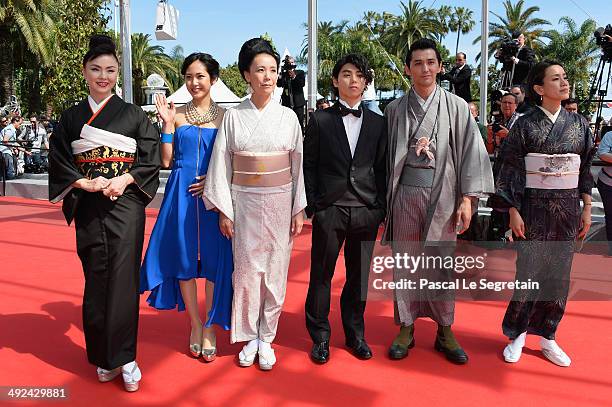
345	175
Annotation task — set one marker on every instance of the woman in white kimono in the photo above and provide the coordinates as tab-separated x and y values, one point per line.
255	180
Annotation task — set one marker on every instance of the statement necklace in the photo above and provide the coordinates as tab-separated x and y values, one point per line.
193	115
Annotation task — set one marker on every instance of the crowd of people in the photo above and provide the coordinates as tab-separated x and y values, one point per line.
244	180
24	145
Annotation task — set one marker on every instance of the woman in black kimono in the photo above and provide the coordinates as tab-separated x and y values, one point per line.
545	171
104	163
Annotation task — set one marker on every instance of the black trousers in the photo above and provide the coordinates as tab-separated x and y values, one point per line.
300	112
356	227
109	243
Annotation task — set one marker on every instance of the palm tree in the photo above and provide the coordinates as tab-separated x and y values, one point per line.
461	22
517	20
23	23
414	22
575	48
146	60
174	77
444	16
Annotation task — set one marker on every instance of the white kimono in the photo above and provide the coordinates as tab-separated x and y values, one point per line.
261	215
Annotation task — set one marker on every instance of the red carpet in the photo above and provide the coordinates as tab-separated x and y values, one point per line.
41	343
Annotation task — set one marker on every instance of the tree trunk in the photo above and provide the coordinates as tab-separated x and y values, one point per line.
458	34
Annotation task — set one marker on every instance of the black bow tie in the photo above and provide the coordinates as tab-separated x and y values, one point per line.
345	110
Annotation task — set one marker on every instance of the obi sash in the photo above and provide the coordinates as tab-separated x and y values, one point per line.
552	171
271	169
102	153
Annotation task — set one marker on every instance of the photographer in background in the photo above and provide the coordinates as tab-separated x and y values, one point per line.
500	217
517	59
36	139
519	91
293	81
459	78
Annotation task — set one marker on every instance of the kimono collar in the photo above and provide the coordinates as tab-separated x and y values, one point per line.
97	106
260	113
551	116
425	103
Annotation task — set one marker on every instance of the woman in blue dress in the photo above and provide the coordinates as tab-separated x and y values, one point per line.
186	242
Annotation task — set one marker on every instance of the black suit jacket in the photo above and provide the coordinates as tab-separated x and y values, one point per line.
329	168
297	89
526	61
460	81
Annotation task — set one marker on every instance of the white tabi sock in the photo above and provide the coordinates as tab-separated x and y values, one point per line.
264	346
518	342
252	346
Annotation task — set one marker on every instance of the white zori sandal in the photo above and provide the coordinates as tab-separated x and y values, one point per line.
246	357
267	358
131	376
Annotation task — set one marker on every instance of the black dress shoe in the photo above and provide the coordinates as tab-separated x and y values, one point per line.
457	356
360	349
397	351
320	352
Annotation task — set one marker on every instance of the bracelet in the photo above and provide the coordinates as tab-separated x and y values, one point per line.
587	204
167	138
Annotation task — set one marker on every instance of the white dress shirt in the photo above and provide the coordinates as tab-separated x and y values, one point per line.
352	126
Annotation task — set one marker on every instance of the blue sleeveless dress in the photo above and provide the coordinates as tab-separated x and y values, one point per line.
185	232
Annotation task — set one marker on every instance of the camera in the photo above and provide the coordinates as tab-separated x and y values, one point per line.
287	64
604	40
496	114
508	49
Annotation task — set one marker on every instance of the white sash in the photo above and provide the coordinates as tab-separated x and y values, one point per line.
552	171
92	137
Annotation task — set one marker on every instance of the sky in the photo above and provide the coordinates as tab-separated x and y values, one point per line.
220	27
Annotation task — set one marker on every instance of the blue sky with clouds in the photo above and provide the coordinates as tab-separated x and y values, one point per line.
220	27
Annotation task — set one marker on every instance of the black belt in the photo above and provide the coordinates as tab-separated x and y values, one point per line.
417	177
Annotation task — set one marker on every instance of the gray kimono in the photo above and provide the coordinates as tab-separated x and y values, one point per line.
458	165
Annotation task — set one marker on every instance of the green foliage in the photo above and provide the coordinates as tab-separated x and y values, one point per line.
576	50
148	59
78	20
233	80
26	33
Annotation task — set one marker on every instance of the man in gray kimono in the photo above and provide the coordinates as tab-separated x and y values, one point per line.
438	167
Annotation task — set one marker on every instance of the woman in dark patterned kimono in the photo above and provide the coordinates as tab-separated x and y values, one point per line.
104	164
545	171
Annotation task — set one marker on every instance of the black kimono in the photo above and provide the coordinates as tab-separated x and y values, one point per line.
551	216
117	139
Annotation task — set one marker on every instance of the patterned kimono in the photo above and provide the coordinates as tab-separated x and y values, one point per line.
261	213
108	140
551	216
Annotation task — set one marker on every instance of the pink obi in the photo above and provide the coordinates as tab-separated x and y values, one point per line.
271	169
552	171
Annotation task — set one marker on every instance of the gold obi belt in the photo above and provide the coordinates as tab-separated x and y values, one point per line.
552	171
271	169
102	153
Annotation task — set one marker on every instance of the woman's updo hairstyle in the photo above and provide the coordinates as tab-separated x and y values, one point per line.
251	49
211	64
100	44
536	77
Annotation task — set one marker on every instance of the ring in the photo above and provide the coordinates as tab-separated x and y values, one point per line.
113	198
